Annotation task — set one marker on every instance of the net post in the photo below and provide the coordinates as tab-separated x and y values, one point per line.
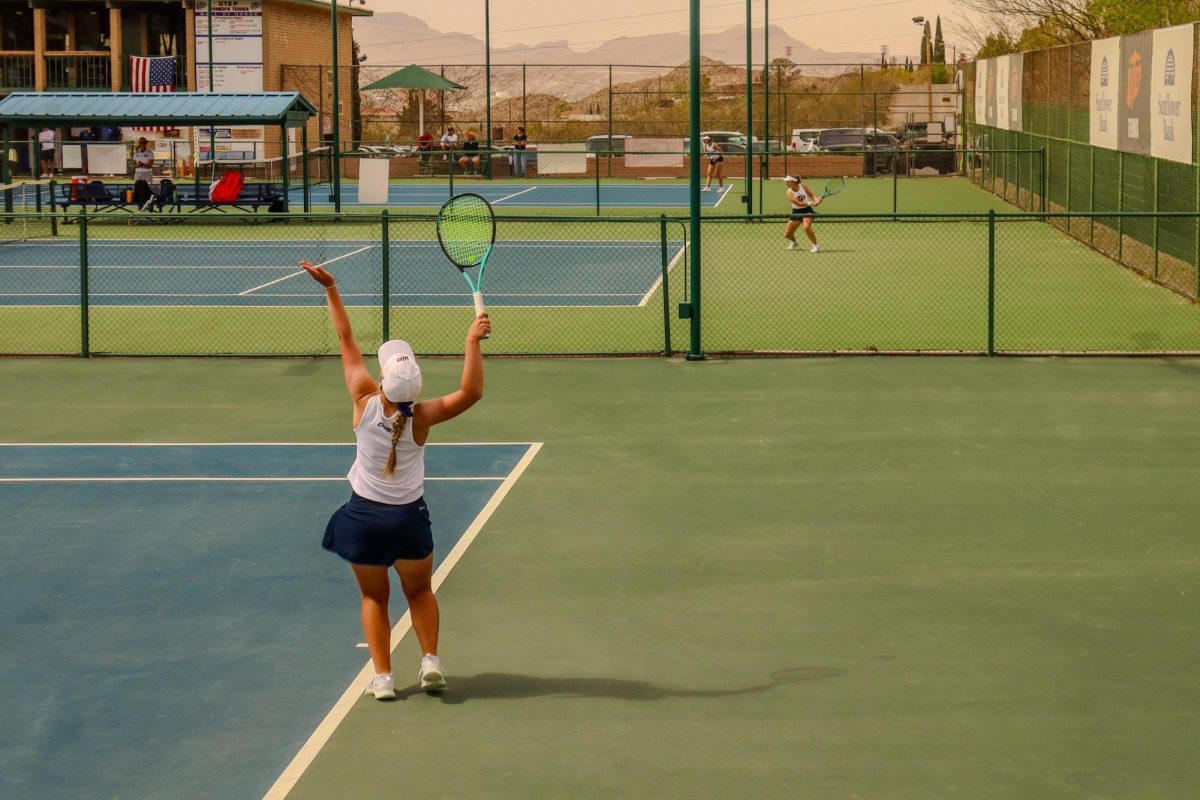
51	188
991	314
450	169
1045	180
386	293
304	176
283	162
597	160
662	233
84	336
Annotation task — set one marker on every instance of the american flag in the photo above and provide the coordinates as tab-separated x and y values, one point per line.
152	74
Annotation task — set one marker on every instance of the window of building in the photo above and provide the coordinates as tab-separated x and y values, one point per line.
16	29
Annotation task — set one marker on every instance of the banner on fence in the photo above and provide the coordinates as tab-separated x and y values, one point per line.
1106	57
1171	82
1133	127
1016	81
980	92
1000	67
989	113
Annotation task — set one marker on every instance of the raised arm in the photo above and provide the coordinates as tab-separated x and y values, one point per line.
358	380
470	389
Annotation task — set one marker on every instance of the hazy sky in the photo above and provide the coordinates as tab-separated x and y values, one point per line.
856	25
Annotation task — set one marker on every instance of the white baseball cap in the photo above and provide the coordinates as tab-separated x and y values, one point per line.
399	372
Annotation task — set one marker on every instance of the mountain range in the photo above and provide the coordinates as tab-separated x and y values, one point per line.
396	38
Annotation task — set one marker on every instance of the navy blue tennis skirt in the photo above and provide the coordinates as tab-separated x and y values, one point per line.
379	534
803	211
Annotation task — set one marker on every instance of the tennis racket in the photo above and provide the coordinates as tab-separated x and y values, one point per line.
833	186
466	229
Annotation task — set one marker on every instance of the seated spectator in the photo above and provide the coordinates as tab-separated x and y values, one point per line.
470	156
449	139
424	146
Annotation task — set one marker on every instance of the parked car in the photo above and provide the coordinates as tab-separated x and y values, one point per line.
878	147
923	135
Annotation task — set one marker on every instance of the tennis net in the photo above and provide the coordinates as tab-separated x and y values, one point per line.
271	170
27	212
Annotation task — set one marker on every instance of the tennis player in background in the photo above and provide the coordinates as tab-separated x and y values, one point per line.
385	524
803	203
716	162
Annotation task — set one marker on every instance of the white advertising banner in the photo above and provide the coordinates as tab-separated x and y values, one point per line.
1002	78
373	181
981	70
1171	104
1102	98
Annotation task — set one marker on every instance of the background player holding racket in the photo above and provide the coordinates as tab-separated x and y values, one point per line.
803	202
716	161
386	523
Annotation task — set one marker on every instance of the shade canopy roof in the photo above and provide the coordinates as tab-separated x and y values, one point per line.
155	109
414	77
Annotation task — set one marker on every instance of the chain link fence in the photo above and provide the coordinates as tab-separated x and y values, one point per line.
225	284
1159	237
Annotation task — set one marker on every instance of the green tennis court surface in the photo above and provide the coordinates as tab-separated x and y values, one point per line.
886	578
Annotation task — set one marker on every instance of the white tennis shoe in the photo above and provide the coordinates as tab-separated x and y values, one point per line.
815	249
793	246
431	675
383	687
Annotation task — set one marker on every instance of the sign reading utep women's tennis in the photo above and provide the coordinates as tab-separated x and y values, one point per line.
1171	94
1133	102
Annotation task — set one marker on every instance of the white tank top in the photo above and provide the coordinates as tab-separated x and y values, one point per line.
801	196
374	435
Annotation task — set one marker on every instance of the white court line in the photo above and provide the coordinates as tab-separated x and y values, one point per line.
514	194
301	272
145	479
308	752
728	189
241	444
658	281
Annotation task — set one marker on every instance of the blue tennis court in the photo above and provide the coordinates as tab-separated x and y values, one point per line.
247	273
171	625
531	195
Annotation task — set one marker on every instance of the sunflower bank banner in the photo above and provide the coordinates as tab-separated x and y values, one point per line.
1141	93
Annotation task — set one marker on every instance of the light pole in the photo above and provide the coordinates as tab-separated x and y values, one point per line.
920	21
336	196
487	81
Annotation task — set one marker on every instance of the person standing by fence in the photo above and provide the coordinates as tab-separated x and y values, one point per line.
520	141
143	162
46	140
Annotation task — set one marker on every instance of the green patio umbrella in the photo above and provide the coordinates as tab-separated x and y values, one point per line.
414	77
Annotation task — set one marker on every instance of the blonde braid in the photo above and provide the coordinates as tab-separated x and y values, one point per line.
389	469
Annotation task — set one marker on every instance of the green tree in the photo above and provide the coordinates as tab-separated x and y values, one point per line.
939	44
357	58
925	44
1032	24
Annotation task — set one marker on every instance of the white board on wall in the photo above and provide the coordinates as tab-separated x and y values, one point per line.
1171	81
562	159
105	159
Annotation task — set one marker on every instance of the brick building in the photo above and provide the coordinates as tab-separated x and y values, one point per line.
81	45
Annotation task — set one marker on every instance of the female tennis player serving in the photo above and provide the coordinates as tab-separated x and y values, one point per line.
386	523
803	200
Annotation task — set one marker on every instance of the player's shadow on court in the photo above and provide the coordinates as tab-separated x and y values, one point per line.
503	686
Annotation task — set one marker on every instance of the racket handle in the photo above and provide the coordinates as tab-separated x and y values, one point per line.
479	309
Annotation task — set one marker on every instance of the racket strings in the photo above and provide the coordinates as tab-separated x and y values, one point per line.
466	230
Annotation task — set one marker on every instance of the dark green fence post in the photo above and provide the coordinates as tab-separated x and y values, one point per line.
662	232
84	338
1046	180
991	315
1156	219
450	169
598	178
895	182
387	283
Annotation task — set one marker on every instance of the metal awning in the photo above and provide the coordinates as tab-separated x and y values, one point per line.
148	109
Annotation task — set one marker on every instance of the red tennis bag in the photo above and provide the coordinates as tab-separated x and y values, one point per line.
227	189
